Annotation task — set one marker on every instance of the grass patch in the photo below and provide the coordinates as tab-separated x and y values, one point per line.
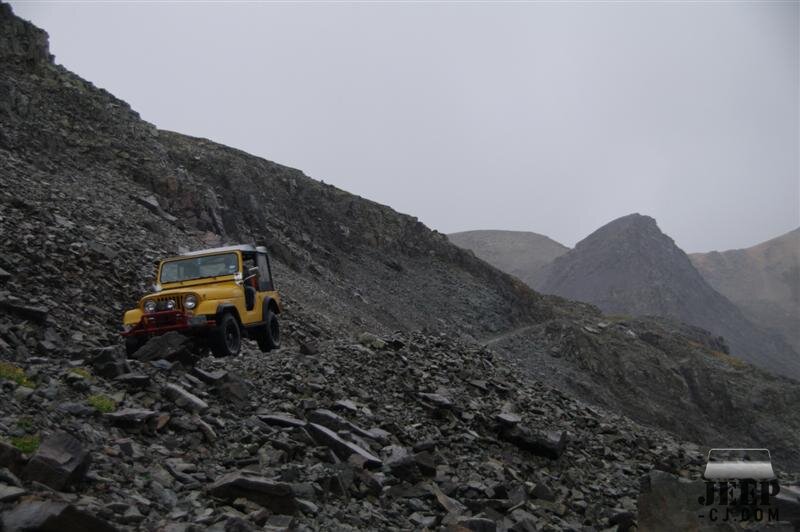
25	423
82	372
26	444
102	403
14	373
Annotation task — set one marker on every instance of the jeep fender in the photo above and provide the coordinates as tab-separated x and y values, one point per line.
269	304
228	307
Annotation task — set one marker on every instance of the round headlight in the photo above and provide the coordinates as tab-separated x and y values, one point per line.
190	302
149	306
170	304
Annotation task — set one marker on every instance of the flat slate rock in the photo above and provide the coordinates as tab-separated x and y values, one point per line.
278	497
281	420
60	461
184	399
11	493
342	447
50	516
548	444
37	314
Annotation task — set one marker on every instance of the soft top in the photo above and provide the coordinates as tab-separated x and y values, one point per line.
244	248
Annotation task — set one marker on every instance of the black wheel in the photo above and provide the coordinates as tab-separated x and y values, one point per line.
226	338
269	335
133	343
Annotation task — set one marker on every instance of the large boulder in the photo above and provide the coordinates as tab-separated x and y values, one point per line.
60	462
50	516
170	346
341	447
109	362
548	444
278	497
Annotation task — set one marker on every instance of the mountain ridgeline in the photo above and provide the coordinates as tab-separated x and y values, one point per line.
522	254
763	280
629	266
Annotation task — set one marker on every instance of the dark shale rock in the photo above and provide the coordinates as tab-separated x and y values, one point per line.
281	420
233	388
109	362
137	419
50	516
341	447
209	377
184	399
11	457
11	493
170	346
134	380
278	497
37	314
548	444
60	462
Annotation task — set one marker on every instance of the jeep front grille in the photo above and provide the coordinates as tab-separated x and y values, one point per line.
161	302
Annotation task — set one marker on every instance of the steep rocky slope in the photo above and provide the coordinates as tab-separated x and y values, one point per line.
763	280
431	430
65	141
664	374
630	267
521	253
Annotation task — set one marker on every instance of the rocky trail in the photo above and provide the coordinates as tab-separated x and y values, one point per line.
498	338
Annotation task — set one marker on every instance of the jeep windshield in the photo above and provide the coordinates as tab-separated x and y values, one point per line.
179	270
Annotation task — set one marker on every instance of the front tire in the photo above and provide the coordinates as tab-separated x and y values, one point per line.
226	337
269	335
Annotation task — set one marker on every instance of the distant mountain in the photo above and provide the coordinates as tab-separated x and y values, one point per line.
520	253
630	267
763	280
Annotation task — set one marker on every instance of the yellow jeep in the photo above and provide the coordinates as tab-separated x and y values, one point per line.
220	294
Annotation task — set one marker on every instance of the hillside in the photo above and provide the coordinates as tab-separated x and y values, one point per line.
763	280
630	267
380	411
75	156
520	253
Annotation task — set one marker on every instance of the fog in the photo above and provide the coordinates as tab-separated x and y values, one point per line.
553	118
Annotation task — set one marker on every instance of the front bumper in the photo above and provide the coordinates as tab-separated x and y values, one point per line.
168	320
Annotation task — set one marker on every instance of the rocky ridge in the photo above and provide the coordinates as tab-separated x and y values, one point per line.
664	374
629	267
763	280
520	253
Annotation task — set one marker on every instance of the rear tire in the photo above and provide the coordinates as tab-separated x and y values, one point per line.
269	334
226	338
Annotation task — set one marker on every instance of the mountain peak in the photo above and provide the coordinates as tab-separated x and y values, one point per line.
628	225
630	267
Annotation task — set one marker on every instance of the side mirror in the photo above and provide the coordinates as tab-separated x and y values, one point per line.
238	278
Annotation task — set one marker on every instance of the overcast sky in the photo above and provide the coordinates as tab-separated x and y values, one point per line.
553	118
